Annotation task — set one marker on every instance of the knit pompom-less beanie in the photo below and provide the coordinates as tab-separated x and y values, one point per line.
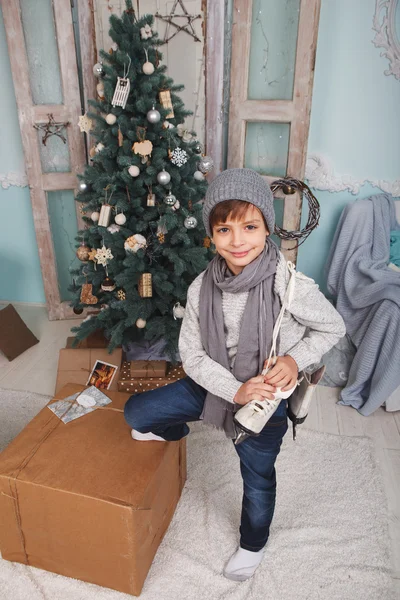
240	184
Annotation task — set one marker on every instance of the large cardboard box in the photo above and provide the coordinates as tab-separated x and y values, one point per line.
85	500
75	365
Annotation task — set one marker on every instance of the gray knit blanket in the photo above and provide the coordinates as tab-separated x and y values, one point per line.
368	298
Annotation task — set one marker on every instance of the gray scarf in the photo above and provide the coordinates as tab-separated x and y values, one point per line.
255	335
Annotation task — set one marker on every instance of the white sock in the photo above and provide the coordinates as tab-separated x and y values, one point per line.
242	564
146	437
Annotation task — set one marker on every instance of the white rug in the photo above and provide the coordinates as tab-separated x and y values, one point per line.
329	537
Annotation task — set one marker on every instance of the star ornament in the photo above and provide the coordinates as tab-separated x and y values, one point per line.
188	27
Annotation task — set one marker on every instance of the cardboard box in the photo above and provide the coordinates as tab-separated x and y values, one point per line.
148	368
85	500
127	383
75	365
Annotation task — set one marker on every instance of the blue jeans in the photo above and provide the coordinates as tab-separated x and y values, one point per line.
166	411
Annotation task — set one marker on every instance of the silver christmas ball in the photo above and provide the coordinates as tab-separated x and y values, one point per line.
98	70
198	175
190	222
163	178
197	148
206	164
153	116
82	186
170	199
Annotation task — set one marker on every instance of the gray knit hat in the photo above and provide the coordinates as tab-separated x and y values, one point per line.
240	184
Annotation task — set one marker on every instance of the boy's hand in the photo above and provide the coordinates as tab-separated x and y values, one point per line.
283	374
254	389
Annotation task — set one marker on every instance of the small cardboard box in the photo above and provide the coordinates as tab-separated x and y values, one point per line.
127	383
85	500
148	368
75	365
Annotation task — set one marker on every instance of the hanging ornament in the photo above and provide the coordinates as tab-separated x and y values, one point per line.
179	157
135	243
134	171
198	148
99	147
120	219
121	295
98	70
190	222
86	294
145	286
161	237
166	102
198	175
77	311
105	215
206	164
103	255
100	90
95	216
83	186
146	32
148	67
168	125
143	147
178	311
120	138
184	133
151	199
153	116
83	252
141	323
108	285
207	242
92	152
170	199
85	124
113	228
92	254
122	89
177	205
163	177
111	119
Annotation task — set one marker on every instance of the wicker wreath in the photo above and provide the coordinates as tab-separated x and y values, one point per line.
289	185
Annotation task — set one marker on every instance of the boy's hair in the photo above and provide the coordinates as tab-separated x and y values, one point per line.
236	209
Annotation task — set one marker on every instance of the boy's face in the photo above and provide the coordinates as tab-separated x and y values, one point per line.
240	242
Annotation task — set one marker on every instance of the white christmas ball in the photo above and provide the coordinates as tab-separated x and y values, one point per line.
198	175
178	311
140	323
120	219
190	222
135	243
100	89
95	216
134	171
99	147
163	178
111	119
168	125
148	68
153	116
176	205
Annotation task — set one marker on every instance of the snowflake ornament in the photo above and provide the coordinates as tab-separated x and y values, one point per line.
179	157
85	124
103	254
146	32
113	228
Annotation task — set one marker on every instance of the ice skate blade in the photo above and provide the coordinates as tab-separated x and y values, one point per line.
241	437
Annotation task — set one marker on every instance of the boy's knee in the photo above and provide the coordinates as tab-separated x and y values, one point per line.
131	411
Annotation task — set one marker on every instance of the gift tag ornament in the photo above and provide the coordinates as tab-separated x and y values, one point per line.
135	243
108	285
151	199
178	311
86	294
166	102
163	177
111	119
190	222
179	157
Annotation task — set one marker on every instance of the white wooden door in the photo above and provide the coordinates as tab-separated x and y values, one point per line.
272	70
41	46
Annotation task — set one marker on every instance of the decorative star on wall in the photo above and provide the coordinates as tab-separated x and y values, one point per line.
188	27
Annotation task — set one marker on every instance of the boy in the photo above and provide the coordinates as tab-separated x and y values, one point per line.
224	341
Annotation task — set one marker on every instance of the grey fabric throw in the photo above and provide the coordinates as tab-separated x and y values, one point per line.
262	309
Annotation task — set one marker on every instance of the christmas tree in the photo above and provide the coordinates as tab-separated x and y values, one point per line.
144	241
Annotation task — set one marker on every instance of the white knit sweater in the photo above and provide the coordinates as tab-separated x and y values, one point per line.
307	333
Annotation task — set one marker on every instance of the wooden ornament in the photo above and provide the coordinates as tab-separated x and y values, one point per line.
166	102
151	199
120	138
105	215
145	286
161	238
206	242
121	92
86	294
144	148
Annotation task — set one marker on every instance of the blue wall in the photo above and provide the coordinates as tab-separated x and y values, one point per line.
355	124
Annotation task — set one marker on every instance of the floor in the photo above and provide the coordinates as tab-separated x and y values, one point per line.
36	369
